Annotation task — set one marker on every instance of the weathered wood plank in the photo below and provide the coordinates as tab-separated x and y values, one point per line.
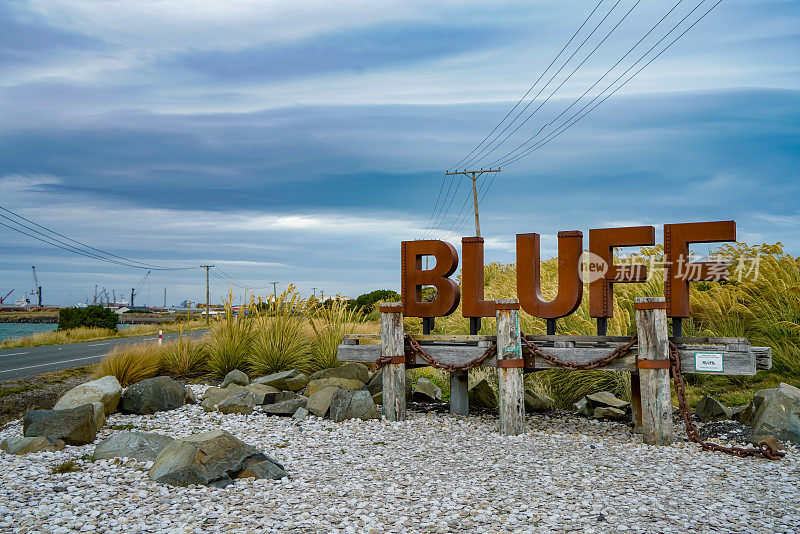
735	363
651	325
512	389
550	339
763	357
394	374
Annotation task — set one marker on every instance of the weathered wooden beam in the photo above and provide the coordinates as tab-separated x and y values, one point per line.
763	357
394	374
741	363
509	351
453	338
651	325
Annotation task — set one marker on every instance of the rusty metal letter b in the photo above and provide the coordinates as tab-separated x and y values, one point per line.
414	278
570	285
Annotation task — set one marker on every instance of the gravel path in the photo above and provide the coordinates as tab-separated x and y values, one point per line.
433	473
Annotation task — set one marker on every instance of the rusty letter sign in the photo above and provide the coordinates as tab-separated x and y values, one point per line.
679	270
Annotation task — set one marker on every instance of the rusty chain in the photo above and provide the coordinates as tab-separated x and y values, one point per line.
765	448
433	362
575	366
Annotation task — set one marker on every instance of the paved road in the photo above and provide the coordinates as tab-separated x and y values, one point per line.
31	361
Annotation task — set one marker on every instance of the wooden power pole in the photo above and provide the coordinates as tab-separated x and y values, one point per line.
474	175
208	295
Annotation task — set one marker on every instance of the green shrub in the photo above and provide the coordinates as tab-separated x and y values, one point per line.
91	316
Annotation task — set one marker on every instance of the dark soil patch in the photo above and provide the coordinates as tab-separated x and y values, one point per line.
38	392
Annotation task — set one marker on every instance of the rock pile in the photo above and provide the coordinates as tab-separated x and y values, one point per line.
603	405
293	394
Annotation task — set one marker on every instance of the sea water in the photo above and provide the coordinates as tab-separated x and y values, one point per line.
9	330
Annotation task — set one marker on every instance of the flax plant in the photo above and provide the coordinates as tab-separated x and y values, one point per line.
231	341
330	324
281	338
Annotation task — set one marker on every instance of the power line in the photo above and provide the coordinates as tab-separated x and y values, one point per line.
631	49
567	124
444	177
532	86
64	245
473	159
478	157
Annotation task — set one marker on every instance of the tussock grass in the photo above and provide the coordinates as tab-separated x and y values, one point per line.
184	357
231	342
282	338
131	363
330	325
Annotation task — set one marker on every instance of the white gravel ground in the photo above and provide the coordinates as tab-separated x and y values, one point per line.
433	473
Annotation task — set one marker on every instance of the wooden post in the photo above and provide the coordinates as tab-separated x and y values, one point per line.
394	374
509	360
651	324
636	403
459	393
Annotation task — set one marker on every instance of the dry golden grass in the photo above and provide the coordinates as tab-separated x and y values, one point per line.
131	363
184	357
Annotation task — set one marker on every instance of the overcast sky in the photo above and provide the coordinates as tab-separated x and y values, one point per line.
301	141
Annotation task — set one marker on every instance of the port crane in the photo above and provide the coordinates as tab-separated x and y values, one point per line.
6	296
37	289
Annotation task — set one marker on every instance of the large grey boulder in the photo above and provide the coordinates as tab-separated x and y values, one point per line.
347	404
99	414
260	392
235	377
354	371
285	408
212	458
375	384
779	414
709	409
607	412
582	407
238	403
143	446
481	395
426	391
212	396
29	445
320	402
106	390
747	416
292	380
152	395
301	413
75	426
319	384
534	402
605	399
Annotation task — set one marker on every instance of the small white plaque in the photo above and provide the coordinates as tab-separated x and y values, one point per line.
708	361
